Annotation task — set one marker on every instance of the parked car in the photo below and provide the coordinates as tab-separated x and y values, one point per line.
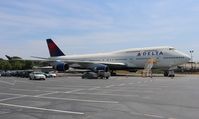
6	74
89	75
171	73
50	75
93	75
37	76
26	73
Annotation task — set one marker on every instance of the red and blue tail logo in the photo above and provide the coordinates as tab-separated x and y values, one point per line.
53	49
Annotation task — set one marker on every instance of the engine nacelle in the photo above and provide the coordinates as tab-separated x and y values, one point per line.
60	66
97	67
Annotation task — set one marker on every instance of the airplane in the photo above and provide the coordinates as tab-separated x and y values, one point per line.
129	59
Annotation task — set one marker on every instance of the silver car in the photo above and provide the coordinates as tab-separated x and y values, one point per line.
37	76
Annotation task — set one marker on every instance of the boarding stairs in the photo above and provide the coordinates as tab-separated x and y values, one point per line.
147	72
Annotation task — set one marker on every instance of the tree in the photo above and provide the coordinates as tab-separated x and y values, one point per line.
28	65
17	65
5	65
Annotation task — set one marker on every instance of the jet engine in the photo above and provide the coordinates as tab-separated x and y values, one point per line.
60	66
97	67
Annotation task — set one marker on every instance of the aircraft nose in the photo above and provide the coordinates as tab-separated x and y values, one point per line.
188	58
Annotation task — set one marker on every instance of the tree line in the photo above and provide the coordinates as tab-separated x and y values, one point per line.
19	64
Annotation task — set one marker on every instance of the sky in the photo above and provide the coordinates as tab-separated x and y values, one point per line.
93	26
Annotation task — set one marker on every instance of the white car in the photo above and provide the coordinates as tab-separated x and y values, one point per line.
50	74
37	76
53	74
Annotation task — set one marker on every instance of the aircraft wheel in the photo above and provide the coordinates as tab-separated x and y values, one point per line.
166	73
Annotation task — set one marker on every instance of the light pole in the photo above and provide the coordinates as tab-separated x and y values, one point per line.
191	52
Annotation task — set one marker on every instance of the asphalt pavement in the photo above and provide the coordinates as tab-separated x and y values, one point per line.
115	98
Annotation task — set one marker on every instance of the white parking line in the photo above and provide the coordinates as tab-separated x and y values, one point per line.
105	94
153	115
122	84
48	90
69	87
80	100
29	90
109	86
58	88
131	83
123	90
42	109
94	88
46	94
42	96
12	98
8	82
76	90
149	115
13	94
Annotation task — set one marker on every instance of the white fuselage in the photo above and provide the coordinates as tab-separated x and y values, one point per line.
135	58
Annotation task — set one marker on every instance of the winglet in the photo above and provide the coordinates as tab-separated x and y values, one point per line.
54	49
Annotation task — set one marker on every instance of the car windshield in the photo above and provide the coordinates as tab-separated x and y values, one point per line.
38	73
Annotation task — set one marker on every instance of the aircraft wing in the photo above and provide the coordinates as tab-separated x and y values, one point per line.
86	64
80	63
42	58
92	62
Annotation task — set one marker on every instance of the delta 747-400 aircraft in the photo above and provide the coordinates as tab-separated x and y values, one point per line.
129	59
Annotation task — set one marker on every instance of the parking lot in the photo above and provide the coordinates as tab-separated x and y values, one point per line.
116	98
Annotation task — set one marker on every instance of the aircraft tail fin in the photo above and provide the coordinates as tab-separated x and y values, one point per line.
54	49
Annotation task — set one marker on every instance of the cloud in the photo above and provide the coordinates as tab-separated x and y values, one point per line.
95	26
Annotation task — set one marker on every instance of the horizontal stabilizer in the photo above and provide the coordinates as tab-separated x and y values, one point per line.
39	57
